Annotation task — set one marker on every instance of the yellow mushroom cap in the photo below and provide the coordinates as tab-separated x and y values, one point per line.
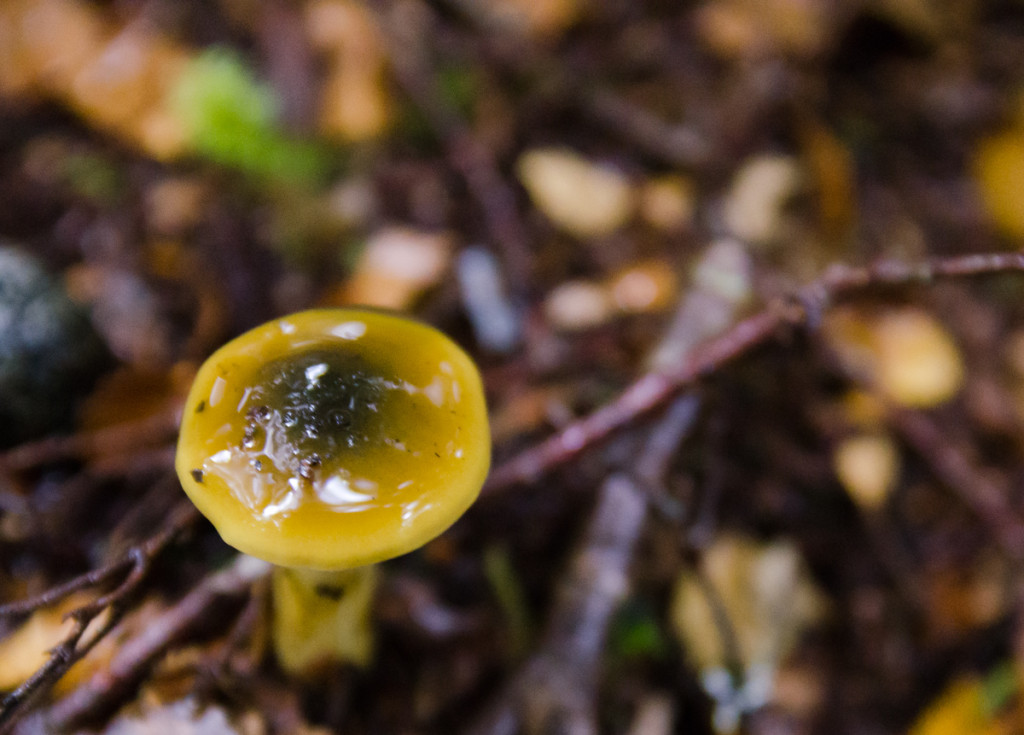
334	438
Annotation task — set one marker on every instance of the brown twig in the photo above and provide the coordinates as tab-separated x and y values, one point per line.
951	465
94	578
653	389
679	144
504	45
556	689
134	565
216	675
108	688
472	159
986	497
109	440
62	658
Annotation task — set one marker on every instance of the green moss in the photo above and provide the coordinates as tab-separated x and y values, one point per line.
459	87
636	634
232	119
94	177
999	688
508	590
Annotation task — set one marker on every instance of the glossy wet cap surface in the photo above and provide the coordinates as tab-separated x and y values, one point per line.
334	438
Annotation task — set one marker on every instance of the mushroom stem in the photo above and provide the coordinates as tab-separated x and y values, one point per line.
322	616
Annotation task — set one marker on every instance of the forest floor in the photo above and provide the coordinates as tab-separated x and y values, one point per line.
743	283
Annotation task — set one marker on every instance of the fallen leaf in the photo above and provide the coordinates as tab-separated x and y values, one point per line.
964	600
355	104
999	173
766	595
904	352
744	28
832	171
578	305
644	287
759	191
668	202
539	18
867	466
969	706
580	197
396	266
27	648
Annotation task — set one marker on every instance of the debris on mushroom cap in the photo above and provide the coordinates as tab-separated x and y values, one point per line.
334	438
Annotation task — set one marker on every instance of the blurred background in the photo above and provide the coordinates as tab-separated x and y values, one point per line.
827	536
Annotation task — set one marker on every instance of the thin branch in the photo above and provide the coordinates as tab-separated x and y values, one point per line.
473	160
68	652
805	309
556	690
504	45
116	439
951	465
94	578
136	657
679	144
134	565
220	671
987	498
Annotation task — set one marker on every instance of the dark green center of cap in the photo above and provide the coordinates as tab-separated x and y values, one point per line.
319	402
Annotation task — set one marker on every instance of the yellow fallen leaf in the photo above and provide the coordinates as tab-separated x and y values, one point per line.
578	305
919	364
867	466
24	651
999	172
738	28
58	38
864	409
764	590
644	287
668	202
355	102
539	18
961	600
905	352
396	266
833	176
116	77
969	706
580	197
27	648
754	208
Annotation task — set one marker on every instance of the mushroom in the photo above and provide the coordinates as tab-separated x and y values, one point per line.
324	442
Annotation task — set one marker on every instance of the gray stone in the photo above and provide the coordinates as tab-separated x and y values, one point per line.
49	353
